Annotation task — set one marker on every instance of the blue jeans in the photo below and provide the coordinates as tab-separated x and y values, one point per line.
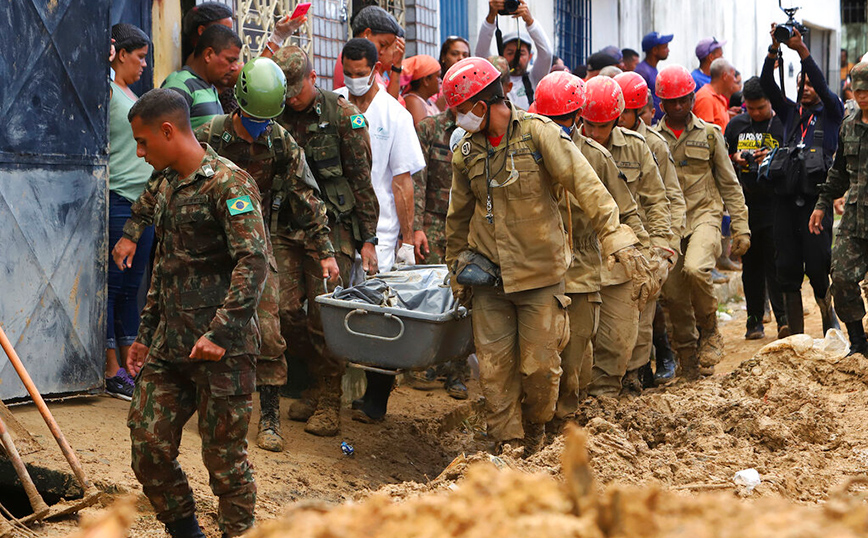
123	310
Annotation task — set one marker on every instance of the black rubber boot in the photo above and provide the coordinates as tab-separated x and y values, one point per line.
827	311
187	527
858	340
646	376
795	314
376	398
665	360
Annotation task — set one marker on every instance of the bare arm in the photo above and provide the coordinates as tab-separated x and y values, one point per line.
402	190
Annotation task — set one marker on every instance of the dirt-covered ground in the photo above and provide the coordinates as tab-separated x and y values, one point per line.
795	415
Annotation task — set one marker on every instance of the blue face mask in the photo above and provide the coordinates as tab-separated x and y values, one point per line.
254	126
568	130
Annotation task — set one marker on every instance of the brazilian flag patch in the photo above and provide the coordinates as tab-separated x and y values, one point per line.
240	205
357	121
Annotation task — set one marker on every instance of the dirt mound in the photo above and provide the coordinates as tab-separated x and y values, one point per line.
506	502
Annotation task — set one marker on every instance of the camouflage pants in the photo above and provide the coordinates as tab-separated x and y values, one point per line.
271	364
584	312
167	394
518	339
435	231
616	336
849	265
300	280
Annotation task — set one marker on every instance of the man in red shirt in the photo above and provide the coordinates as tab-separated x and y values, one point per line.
712	100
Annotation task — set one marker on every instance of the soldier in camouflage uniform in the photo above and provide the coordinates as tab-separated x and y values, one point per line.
277	165
849	174
199	336
334	135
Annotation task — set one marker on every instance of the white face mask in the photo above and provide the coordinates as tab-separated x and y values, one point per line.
470	122
359	86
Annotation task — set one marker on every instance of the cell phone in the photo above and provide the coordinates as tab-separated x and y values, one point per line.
300	10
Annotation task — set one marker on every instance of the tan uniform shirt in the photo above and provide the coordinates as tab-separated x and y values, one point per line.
677	209
706	175
589	272
636	162
526	236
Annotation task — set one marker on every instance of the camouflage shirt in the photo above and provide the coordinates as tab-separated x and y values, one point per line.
276	162
210	265
338	150
849	174
432	183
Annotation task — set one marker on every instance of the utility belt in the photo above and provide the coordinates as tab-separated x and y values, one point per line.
798	169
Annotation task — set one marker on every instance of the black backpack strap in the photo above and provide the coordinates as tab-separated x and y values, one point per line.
528	88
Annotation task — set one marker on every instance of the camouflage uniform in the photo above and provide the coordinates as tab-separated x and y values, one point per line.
209	272
432	183
335	139
849	174
277	165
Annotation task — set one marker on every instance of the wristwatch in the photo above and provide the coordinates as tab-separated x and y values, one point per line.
399	69
373	240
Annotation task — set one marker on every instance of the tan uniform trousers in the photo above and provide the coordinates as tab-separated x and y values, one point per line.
518	340
271	362
616	336
644	337
576	360
689	291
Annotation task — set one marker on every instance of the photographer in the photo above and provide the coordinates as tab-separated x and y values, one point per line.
517	50
810	140
750	137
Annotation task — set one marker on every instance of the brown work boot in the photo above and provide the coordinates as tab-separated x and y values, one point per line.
269	437
710	349
534	438
302	409
688	364
326	421
631	383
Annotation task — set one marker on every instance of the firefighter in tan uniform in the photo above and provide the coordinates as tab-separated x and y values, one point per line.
708	182
507	246
636	97
560	96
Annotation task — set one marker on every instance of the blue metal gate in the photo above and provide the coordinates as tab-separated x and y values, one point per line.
53	185
573	31
453	19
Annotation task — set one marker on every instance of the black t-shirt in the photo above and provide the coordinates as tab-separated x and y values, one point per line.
743	134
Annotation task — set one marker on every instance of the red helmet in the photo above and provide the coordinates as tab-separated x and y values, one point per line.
674	81
467	78
559	93
634	88
603	100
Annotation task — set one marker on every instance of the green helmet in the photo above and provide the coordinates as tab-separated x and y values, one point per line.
261	89
859	76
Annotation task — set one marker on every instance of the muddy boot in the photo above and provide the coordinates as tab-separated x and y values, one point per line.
302	409
688	364
455	387
187	527
326	421
631	384
534	438
646	376
665	360
710	349
795	314
858	340
827	312
724	262
269	437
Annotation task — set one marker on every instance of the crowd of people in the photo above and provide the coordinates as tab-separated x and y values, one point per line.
583	214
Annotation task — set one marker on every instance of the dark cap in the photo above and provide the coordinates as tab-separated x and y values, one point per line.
599	60
295	64
707	46
653	39
613	51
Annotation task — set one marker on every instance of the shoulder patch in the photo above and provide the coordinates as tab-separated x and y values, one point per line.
240	205
357	121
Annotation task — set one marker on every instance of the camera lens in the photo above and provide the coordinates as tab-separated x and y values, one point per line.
783	33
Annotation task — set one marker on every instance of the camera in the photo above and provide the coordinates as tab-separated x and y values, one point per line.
747	155
784	31
510	7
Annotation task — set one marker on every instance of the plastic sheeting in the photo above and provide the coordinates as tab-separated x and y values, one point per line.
420	288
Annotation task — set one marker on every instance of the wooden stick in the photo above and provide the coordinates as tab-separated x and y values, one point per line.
36	501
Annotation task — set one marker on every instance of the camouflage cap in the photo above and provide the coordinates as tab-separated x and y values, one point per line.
502	65
295	65
859	76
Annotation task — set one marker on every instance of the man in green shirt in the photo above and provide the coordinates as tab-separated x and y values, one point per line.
214	62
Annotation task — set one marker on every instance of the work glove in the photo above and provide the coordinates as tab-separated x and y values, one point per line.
406	254
284	28
639	270
740	244
662	260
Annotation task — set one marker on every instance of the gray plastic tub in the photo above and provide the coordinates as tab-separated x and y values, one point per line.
385	338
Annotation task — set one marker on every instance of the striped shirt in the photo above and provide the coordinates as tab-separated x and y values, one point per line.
202	97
